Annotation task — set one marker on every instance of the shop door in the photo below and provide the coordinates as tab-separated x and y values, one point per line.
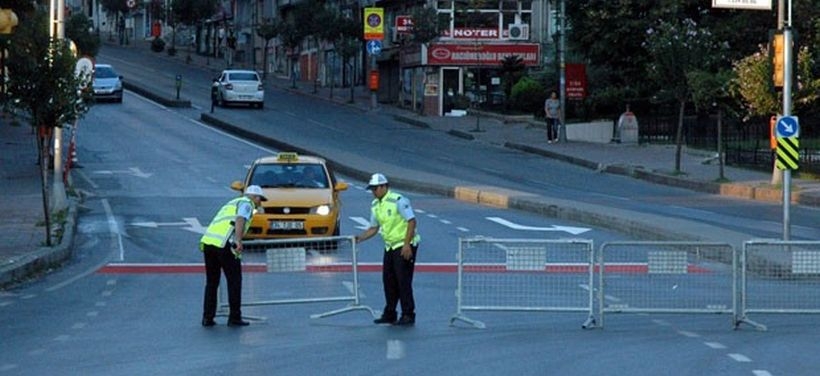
451	87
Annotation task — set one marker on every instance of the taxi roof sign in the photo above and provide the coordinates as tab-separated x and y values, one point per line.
287	156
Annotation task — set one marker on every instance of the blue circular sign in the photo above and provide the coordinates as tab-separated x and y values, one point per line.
374	47
788	126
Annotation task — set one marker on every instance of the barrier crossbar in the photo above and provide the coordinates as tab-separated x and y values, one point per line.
666	277
524	275
779	277
309	270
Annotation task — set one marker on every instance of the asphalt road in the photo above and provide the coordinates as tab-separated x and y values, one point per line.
144	163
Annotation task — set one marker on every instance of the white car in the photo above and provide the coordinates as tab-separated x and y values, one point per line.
238	86
107	83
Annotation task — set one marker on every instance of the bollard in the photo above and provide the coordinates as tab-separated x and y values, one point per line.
178	84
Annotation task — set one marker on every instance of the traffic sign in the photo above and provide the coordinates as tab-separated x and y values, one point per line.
373	23
788	126
130	3
84	70
788	153
374	47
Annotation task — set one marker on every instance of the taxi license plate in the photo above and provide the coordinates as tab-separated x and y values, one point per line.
287	225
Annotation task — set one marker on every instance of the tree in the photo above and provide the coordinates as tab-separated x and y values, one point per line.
291	38
78	29
311	15
193	12
42	84
512	69
754	89
267	30
677	48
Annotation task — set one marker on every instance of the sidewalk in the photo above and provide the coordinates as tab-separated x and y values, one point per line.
21	252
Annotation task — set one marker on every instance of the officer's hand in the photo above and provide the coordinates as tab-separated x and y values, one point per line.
407	252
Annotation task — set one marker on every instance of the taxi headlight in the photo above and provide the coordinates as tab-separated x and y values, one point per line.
321	210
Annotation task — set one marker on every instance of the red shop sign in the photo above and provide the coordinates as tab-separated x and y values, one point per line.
485	54
576	81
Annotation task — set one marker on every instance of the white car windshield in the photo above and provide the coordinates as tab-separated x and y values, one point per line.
243	77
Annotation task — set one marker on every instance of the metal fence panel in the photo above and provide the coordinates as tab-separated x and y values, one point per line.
308	270
524	275
779	277
666	277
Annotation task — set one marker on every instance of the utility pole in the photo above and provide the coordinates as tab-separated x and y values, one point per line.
562	129
57	32
786	27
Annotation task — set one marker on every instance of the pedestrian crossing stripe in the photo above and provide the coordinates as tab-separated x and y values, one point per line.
788	153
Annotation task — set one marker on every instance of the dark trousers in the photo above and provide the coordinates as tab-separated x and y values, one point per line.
218	260
397	277
552	128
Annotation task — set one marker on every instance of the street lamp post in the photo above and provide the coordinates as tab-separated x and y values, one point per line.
57	31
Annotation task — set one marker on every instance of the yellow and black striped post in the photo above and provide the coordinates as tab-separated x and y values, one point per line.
788	153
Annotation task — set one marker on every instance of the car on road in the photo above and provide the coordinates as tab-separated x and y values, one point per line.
107	83
238	86
303	197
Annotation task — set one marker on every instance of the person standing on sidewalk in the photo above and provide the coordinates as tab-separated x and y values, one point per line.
393	217
552	113
222	248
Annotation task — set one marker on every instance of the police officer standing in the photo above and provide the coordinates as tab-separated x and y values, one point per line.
393	217
222	248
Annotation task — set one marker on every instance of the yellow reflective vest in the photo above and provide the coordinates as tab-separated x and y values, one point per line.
221	228
392	226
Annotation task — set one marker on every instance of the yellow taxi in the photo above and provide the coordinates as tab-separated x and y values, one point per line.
303	197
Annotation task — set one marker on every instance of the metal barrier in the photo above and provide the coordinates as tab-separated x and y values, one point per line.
778	277
304	264
524	275
666	277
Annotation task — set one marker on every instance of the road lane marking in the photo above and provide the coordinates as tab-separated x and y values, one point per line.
715	345
516	226
739	358
395	349
760	372
688	334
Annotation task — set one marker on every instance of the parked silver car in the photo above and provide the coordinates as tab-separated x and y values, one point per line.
238	86
107	83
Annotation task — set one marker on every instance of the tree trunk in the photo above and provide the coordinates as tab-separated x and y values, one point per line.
42	149
679	136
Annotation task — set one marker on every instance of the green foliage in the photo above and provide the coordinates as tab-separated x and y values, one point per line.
192	12
78	28
158	44
427	25
528	95
677	48
114	6
512	69
753	84
41	79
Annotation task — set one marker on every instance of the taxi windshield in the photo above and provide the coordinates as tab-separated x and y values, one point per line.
290	175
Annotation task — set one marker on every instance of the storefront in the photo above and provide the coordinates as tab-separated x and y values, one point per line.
447	76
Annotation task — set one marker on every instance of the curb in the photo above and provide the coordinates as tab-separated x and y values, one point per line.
44	258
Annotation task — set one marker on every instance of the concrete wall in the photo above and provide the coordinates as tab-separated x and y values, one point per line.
596	131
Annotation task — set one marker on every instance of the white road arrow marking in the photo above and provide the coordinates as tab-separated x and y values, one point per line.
515	226
363	223
133	171
191	224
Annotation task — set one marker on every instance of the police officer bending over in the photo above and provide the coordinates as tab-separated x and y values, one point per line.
392	216
222	248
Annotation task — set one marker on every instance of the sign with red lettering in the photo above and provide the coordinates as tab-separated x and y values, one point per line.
576	81
485	54
471	33
404	24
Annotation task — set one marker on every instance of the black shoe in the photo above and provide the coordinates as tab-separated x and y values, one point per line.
208	322
406	321
385	320
239	322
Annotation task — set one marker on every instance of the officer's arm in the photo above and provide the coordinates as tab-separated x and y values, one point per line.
411	232
239	232
367	234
